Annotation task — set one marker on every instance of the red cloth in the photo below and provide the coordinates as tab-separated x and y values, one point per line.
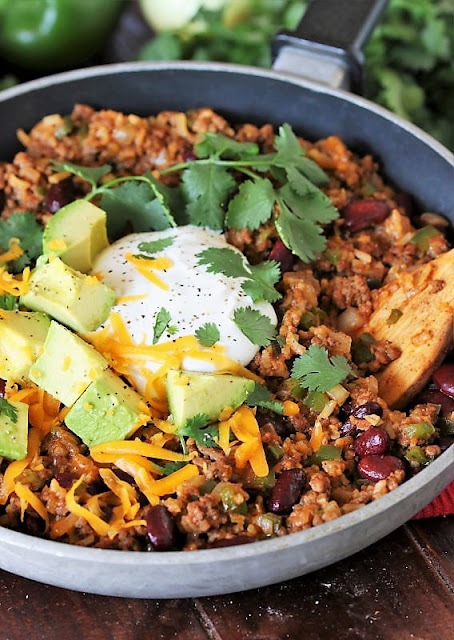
443	505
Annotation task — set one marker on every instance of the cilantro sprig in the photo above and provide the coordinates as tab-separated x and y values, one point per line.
284	186
8	410
196	428
255	326
259	280
208	334
162	323
317	371
22	225
261	397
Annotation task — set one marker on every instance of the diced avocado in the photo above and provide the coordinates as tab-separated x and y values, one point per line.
76	234
80	302
67	366
108	410
14	434
209	394
22	335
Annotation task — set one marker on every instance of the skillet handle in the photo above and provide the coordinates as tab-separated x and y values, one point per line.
326	45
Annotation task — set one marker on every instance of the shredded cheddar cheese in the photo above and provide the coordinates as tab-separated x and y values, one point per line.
145	268
246	429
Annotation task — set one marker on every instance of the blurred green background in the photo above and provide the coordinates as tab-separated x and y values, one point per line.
409	59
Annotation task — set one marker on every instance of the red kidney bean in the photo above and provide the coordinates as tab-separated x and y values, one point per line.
287	491
2	387
188	155
433	396
281	254
58	195
444	377
230	542
375	468
373	442
367	409
360	214
66	479
161	530
349	429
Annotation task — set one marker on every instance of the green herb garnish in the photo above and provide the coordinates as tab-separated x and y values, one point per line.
196	428
24	227
259	279
261	397
318	371
162	324
255	326
208	335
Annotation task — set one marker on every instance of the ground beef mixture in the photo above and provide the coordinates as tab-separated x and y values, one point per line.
323	462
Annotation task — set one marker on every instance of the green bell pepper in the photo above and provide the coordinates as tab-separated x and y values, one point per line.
48	35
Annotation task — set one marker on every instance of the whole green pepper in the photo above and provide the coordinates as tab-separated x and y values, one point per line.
46	35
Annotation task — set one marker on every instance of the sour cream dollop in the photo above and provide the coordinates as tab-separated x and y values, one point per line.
192	296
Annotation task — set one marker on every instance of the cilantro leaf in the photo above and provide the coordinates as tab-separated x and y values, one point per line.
208	335
161	324
314	205
155	246
195	428
260	279
261	397
134	204
89	174
302	237
169	467
252	205
291	154
9	302
318	371
22	225
207	187
255	326
216	144
8	410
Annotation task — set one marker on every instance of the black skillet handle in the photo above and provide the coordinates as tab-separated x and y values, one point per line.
326	45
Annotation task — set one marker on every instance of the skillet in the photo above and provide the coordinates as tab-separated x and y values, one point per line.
410	159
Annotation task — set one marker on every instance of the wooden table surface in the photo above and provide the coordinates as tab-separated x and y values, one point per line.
400	588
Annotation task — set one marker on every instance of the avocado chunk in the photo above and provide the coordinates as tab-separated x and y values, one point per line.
80	302
209	394
76	234
108	410
14	432
22	335
67	366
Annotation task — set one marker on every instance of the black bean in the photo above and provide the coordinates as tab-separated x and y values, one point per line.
58	195
367	409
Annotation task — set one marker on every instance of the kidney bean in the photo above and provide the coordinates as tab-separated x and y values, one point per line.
188	155
444	377
161	530
433	396
2	387
375	468
281	254
360	214
367	409
373	442
230	542
58	195
345	410
66	479
287	491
